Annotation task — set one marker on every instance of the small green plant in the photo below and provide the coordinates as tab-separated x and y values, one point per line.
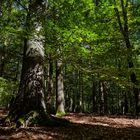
30	118
60	114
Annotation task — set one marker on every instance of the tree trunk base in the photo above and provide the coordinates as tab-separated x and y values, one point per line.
33	118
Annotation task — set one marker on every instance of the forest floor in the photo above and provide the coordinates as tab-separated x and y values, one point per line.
82	127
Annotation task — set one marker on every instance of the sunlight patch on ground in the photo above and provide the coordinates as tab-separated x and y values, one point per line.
103	120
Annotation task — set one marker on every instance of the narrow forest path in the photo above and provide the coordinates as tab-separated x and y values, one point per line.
82	127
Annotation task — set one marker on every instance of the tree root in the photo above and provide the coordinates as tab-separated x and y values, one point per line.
34	118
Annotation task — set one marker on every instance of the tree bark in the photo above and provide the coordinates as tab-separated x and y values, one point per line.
94	107
125	104
60	100
2	60
78	94
73	101
30	96
103	98
82	92
31	90
50	84
104	83
101	94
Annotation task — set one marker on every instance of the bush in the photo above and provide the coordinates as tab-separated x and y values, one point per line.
6	92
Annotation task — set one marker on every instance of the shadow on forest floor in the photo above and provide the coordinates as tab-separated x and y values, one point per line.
82	127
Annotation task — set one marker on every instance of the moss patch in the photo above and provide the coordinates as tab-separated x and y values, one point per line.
60	114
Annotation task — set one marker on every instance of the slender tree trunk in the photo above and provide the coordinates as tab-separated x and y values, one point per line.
112	104
1	12
2	61
82	93
94	109
67	91
50	84
131	103
79	99
103	98
125	104
60	101
2	64
73	101
97	2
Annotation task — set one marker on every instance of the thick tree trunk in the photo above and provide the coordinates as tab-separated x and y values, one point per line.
29	104
30	96
31	90
60	100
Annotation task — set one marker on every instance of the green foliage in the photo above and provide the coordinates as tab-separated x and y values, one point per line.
60	114
6	91
28	119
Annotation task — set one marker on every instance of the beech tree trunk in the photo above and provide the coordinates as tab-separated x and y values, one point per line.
60	101
30	96
31	90
78	94
103	98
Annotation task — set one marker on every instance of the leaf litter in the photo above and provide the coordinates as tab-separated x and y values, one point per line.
81	127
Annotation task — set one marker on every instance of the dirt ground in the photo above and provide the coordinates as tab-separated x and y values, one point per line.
82	127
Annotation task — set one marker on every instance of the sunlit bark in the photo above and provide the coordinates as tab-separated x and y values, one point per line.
30	96
60	101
